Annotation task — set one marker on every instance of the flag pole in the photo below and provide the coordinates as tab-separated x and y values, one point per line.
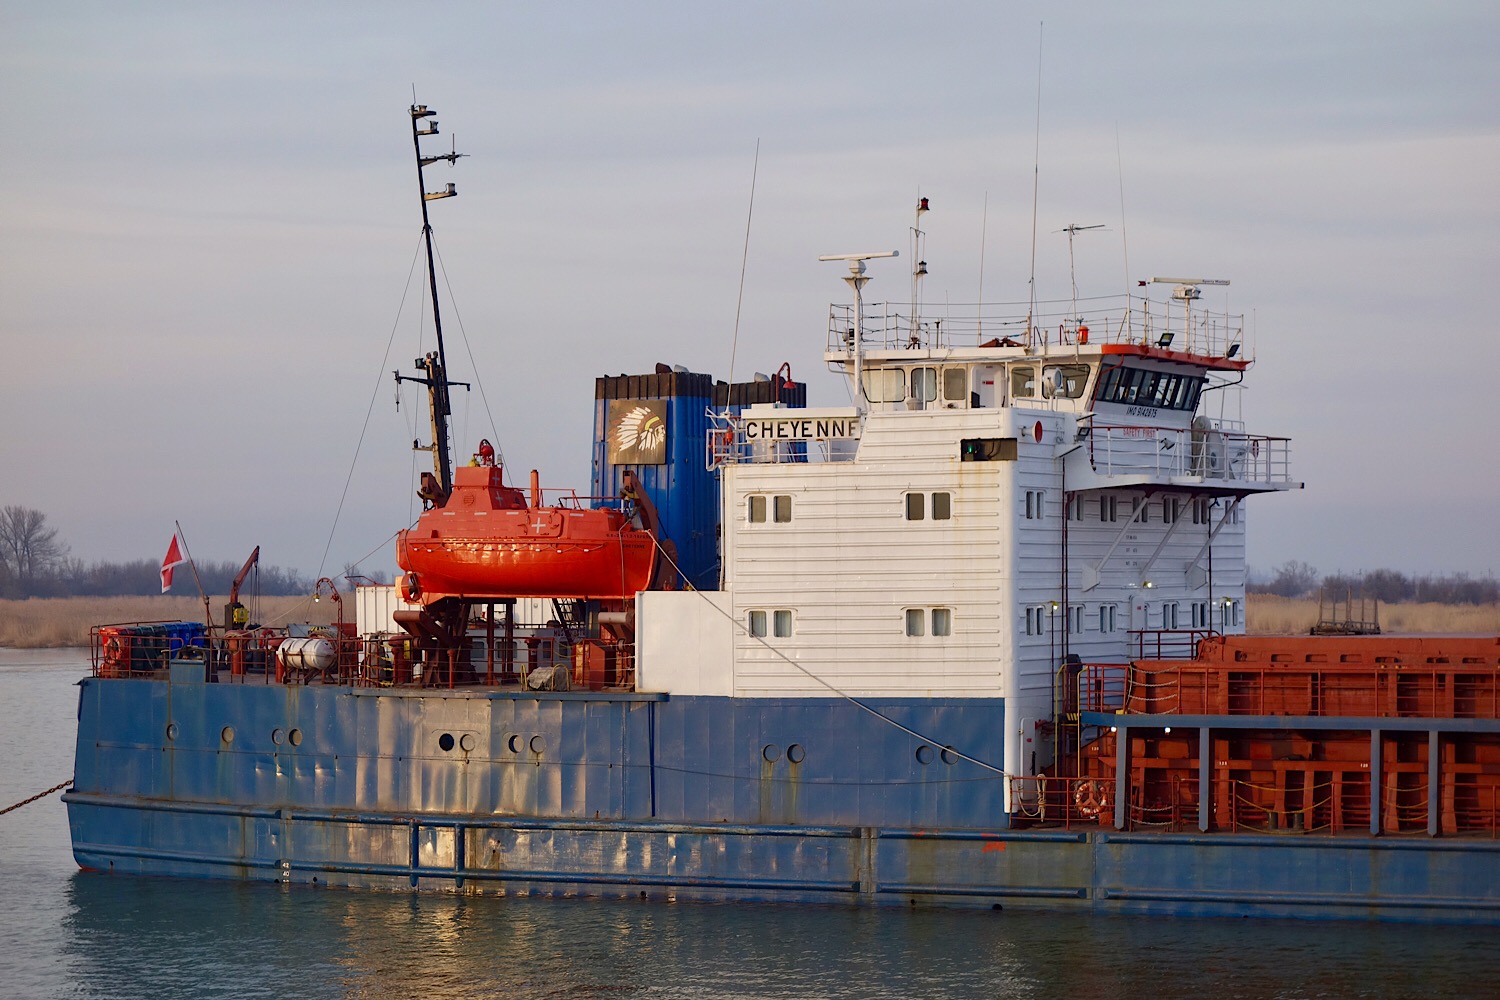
208	617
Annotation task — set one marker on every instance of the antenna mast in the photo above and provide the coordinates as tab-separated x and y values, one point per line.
434	365
857	280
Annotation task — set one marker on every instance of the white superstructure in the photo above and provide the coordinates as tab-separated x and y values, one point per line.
991	507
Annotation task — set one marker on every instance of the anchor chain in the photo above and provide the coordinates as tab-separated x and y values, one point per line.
38	795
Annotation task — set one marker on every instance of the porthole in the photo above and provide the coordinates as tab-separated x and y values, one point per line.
466	741
294	737
924	754
538	744
771	752
172	730
446	741
795	753
950	756
278	737
227	734
514	743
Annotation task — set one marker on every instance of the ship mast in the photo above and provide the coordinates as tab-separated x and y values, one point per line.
434	364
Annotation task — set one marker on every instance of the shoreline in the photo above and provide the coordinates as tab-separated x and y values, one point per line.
65	622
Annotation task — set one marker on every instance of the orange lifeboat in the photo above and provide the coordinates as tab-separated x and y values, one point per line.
486	542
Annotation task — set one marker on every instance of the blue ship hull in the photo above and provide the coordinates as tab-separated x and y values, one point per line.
805	800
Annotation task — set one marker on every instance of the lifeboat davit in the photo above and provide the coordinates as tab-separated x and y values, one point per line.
486	542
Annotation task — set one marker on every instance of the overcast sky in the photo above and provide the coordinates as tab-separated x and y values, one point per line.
210	215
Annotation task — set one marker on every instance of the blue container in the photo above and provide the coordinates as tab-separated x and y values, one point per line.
657	427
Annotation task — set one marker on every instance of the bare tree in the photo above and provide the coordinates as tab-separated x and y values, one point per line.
27	545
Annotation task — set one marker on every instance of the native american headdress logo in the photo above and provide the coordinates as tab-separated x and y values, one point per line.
638	432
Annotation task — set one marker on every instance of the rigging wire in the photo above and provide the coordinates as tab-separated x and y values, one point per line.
368	410
469	350
739	301
1036	174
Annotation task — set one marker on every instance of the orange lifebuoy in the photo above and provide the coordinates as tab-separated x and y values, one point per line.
1090	798
411	589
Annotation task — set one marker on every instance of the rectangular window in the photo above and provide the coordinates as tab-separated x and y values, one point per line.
1066	381
915	621
781	623
1074	508
955	385
757	510
942	621
1170	508
1108	508
942	509
1022	381
885	385
782	509
1135	507
1106	618
924	384
1075	619
1034	504
757	624
1036	620
1169	615
915	506
1201	511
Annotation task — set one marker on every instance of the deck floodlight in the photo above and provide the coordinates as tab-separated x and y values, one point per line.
1165	340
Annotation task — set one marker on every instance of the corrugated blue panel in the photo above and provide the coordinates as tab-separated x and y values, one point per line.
684	491
680	795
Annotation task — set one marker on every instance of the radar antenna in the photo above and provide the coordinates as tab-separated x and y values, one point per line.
857	279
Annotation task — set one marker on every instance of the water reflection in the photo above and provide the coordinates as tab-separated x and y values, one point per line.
130	937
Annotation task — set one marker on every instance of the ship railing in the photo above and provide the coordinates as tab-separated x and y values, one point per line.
1167	643
125	649
1210	450
832	440
1163	685
1061	801
1103	687
1115	319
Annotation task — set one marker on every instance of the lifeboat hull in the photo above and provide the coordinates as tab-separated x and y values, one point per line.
537	552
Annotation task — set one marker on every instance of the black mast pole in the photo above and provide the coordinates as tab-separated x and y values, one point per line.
436	363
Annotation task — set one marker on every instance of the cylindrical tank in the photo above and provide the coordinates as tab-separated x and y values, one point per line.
314	653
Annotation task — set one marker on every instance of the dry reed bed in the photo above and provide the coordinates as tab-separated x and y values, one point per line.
41	623
52	622
1267	614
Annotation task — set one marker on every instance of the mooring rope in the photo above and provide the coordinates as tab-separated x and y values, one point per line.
39	795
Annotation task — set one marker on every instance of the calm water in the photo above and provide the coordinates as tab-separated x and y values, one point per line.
64	933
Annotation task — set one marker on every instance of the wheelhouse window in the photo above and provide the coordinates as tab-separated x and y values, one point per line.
956	386
1022	381
1066	381
924	384
1034	509
885	385
916	506
1147	387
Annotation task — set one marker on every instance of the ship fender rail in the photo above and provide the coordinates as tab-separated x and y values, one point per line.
1045	800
